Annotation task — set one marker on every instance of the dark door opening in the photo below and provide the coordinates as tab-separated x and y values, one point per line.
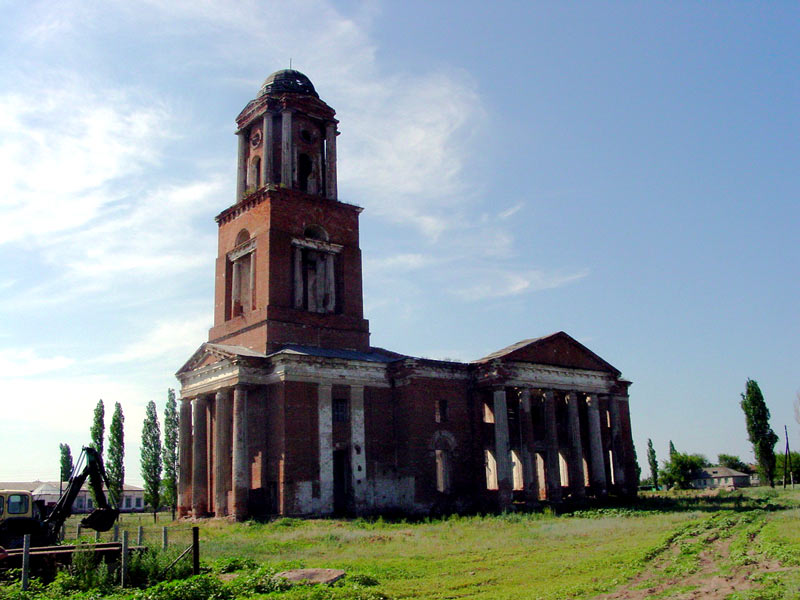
341	478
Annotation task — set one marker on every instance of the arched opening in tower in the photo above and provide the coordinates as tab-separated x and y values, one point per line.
304	171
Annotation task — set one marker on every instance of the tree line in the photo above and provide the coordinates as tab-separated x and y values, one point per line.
681	468
158	461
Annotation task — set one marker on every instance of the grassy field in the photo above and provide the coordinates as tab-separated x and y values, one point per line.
665	546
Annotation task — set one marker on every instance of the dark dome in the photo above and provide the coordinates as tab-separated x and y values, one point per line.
288	81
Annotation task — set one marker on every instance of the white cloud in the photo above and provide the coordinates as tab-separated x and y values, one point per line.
24	362
169	341
397	262
503	283
509	212
67	151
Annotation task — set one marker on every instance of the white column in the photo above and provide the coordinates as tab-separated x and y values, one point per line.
200	458
266	149
185	458
330	283
241	481
502	448
241	169
222	452
552	464
325	418
298	277
526	442
322	281
616	444
330	161
287	150
236	289
358	458
598	470
577	482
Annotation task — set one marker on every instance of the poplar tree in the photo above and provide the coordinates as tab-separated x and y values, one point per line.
151	458
115	467
170	453
756	415
96	432
672	451
98	428
66	464
651	460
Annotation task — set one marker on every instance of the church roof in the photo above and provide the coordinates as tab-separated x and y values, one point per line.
288	81
372	356
557	349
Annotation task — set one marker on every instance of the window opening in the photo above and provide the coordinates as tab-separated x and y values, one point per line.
305	169
488	413
491	470
17	504
442	471
441	411
518	480
341	414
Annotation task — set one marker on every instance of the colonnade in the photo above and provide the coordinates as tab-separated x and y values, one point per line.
594	455
228	475
288	170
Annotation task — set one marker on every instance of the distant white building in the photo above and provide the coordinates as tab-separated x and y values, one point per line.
720	477
48	492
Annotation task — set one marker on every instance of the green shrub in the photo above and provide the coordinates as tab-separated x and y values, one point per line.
234	563
199	587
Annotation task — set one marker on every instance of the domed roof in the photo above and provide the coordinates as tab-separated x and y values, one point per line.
288	81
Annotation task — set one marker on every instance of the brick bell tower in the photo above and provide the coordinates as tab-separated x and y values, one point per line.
288	268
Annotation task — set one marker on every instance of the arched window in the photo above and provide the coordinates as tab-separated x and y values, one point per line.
443	452
241	275
254	173
315	232
305	172
315	271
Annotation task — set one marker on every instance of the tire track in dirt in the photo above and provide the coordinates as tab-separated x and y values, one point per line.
713	573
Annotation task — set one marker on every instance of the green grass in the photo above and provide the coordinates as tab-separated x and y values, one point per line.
577	555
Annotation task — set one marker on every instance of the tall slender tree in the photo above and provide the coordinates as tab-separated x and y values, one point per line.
651	460
672	451
96	432
762	437
151	458
115	466
66	465
98	429
170	452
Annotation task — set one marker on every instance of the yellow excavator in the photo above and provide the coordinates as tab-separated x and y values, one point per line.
20	516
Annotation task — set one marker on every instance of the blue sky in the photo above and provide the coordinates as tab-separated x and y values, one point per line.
625	172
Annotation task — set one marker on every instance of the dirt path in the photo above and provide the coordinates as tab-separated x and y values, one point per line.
698	564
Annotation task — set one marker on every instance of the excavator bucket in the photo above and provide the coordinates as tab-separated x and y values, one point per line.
101	519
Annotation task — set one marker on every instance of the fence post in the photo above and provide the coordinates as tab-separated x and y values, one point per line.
195	550
96	536
140	536
116	532
164	542
26	560
63	533
78	532
124	559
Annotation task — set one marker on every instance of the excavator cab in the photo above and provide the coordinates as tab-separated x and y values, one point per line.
46	532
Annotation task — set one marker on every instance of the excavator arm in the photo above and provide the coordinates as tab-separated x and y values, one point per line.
102	518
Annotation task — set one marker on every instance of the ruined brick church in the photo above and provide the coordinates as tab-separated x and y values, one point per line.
288	410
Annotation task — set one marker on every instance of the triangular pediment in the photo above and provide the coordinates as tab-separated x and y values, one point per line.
209	354
557	349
